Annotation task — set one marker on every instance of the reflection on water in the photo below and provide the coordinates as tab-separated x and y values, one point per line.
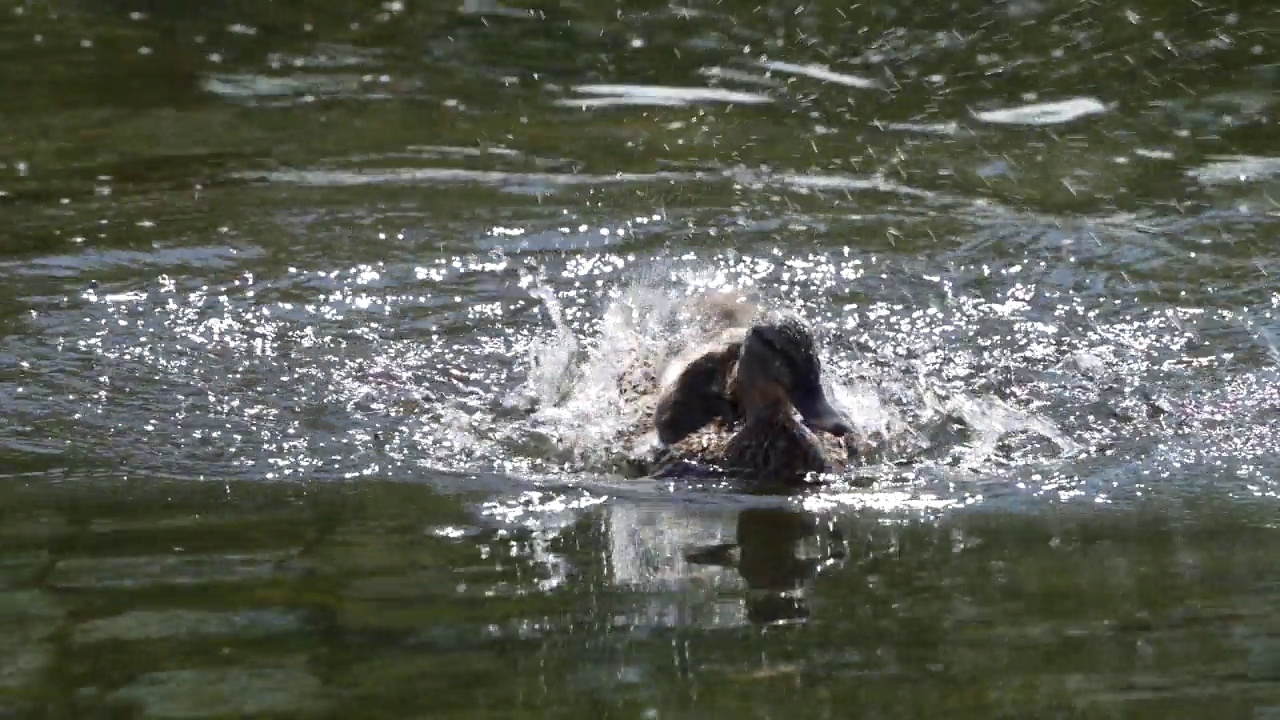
760	577
312	320
259	599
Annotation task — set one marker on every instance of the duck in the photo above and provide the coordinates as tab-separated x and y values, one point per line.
752	406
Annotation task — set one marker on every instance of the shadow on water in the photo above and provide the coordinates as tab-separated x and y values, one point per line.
310	316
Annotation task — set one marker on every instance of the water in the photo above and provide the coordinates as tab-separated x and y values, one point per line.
311	319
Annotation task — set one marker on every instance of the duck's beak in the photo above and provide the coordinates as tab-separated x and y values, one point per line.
819	415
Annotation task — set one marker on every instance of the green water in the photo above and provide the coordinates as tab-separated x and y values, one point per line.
382	601
304	310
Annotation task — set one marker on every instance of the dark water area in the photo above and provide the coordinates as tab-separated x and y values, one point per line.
311	316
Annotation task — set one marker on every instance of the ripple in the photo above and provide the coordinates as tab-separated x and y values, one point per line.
660	95
1225	169
132	572
738	76
820	72
246	86
200	692
155	625
345	178
302	88
1049	113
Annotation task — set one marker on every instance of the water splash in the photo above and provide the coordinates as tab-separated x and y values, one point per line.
550	358
595	403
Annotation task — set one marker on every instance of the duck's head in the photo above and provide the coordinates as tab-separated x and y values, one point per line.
779	365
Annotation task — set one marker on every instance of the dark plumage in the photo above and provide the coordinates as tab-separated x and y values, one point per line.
734	408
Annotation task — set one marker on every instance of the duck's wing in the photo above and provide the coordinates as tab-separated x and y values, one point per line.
700	454
698	396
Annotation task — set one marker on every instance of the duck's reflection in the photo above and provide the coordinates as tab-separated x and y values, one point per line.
752	565
778	554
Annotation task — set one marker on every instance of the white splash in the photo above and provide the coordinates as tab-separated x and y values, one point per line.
596	403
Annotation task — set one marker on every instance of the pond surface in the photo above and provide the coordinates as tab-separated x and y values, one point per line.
311	316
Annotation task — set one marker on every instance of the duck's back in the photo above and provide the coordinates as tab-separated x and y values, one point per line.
774	450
